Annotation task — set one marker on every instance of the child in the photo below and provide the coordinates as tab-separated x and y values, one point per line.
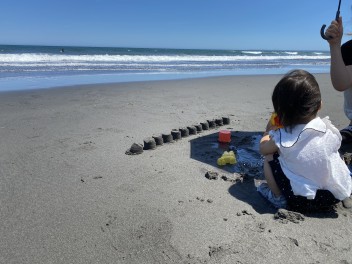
302	166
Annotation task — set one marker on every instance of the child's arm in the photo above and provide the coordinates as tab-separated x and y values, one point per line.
267	145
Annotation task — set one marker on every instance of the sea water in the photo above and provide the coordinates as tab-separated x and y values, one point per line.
32	67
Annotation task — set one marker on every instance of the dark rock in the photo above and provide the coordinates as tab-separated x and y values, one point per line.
211	175
284	216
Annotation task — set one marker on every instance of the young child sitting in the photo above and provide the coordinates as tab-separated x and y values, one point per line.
302	166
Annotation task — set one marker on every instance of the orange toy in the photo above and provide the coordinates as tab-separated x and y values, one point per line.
224	136
274	120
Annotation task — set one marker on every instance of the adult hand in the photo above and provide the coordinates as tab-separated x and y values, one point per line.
334	32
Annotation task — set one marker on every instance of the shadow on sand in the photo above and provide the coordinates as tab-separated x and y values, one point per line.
207	149
245	144
249	164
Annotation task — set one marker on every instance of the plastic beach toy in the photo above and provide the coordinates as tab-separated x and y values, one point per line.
224	136
274	120
227	158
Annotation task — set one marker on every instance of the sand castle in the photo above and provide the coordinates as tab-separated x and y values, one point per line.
152	142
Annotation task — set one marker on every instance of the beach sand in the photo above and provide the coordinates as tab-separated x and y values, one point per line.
70	194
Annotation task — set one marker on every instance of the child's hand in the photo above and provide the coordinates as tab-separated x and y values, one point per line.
270	126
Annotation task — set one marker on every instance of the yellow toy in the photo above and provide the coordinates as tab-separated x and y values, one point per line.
227	158
274	120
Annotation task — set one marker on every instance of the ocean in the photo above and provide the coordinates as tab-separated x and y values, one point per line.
33	67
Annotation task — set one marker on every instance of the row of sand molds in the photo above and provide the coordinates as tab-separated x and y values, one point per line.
176	134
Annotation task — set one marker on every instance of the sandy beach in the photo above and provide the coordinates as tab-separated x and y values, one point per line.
70	194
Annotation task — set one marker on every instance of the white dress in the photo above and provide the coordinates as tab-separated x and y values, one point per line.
310	159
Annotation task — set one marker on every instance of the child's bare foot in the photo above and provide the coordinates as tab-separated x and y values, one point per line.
347	203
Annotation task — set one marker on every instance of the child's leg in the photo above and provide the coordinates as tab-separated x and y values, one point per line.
268	173
270	189
279	182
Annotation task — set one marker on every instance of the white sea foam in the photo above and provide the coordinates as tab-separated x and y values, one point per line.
252	52
83	63
41	58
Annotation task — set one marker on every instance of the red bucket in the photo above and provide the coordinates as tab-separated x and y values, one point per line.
224	136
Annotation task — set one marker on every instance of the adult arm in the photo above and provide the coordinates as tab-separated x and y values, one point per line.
341	75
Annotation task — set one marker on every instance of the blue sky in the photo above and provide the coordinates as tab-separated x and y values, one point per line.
205	24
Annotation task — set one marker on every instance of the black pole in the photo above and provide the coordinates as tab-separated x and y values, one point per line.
322	33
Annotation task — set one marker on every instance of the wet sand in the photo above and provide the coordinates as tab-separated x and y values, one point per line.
70	194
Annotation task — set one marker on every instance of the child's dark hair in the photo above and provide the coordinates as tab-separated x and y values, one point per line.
296	98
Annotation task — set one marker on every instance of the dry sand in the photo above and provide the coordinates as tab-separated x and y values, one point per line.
70	194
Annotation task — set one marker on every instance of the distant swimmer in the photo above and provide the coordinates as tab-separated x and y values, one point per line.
62	50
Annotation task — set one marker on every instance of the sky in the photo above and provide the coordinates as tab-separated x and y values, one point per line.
191	24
